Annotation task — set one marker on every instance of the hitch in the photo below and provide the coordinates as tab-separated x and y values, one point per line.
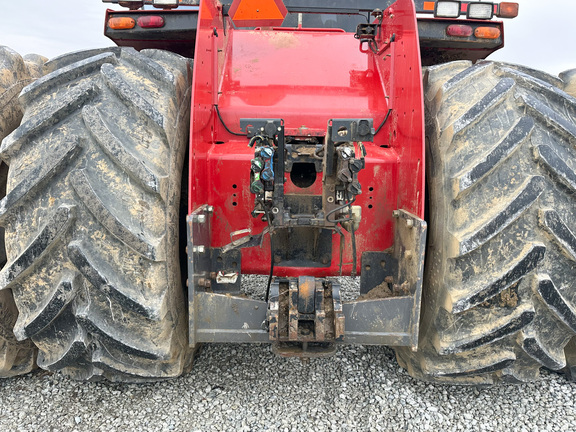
305	316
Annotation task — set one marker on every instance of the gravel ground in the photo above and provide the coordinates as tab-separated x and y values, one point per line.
247	388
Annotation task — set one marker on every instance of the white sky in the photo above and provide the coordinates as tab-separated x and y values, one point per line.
543	36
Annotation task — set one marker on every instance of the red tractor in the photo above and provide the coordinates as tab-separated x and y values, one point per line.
306	142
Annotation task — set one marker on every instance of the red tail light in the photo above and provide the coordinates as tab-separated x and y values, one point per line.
151	21
459	30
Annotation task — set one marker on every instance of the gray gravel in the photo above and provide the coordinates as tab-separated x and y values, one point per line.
247	388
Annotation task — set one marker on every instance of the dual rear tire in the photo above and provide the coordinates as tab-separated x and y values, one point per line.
16	72
91	215
499	297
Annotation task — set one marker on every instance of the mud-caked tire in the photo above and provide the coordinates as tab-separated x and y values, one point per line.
15	73
569	79
91	215
499	296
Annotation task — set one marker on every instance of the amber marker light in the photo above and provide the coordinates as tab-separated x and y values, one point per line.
487	33
508	10
121	23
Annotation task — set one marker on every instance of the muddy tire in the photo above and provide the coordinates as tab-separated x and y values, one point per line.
569	78
91	215
15	73
500	281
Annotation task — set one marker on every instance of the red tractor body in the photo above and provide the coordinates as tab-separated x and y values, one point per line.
306	77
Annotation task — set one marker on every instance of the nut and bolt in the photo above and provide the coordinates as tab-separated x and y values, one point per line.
205	283
346	153
409	223
198	249
396	213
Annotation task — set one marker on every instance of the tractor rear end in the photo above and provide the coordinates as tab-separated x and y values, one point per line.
302	168
311	140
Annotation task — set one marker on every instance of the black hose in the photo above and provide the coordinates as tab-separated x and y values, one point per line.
271	251
383	121
224	124
353	236
271	268
337	209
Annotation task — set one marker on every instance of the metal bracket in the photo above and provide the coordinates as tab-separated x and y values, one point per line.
391	315
230	319
266	127
209	268
352	130
247	241
198	229
366	31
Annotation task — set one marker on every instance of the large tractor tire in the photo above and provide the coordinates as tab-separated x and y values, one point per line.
499	297
91	215
569	78
15	73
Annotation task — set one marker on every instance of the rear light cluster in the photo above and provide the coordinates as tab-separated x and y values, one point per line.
164	4
127	23
473	10
463	30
